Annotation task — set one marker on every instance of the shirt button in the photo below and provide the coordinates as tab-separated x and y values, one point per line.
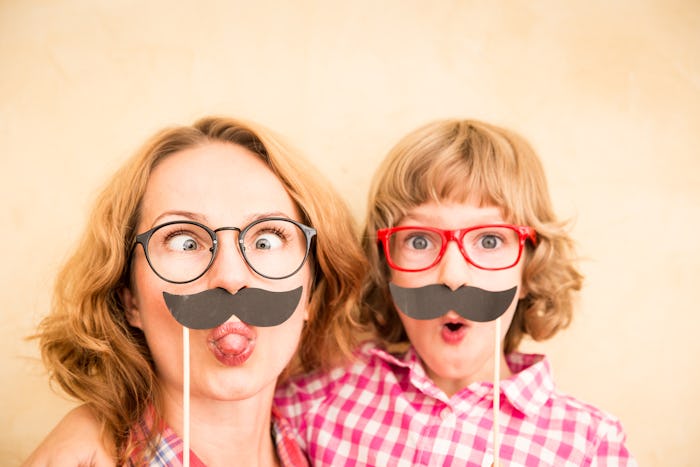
446	414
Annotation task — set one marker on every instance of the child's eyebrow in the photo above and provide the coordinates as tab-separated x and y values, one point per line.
429	219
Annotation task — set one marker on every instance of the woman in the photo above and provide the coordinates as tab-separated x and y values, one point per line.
222	211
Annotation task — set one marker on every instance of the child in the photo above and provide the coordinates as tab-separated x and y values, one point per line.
459	224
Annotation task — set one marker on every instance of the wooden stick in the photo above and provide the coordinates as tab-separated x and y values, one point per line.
186	396
496	392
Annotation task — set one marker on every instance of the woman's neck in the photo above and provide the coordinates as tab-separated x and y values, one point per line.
226	433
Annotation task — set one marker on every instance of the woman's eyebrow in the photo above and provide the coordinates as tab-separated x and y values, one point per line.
262	215
176	213
201	218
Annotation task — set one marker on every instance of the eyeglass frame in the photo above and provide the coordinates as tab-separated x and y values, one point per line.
145	237
456	235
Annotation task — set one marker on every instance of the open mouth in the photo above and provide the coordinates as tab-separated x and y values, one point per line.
453	327
453	332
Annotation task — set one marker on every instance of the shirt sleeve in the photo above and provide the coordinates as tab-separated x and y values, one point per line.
611	450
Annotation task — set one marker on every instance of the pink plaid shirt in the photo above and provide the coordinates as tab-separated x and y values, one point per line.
169	452
384	410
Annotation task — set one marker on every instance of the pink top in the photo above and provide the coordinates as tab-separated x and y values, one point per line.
384	410
169	451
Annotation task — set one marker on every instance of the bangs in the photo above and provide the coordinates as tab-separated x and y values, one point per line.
456	181
464	163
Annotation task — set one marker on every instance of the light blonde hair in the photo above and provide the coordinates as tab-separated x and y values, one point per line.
453	160
86	342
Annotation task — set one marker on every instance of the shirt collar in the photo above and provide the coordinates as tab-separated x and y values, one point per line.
527	389
288	450
531	385
411	362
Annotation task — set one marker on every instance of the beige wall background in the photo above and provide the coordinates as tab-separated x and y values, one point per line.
609	95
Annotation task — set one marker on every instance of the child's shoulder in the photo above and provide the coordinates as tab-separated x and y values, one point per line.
370	365
584	413
559	415
533	379
551	405
585	424
364	365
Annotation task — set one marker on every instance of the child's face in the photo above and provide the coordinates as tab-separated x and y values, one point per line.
454	350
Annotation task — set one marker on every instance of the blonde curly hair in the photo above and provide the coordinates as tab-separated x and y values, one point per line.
87	344
451	160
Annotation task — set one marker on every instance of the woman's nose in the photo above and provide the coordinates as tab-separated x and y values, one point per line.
229	270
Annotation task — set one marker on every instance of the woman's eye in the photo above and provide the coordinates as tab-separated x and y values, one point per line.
182	243
268	242
490	242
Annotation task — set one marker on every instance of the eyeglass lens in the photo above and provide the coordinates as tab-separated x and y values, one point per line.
488	247
181	252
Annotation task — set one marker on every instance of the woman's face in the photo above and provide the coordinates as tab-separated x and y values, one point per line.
218	185
456	351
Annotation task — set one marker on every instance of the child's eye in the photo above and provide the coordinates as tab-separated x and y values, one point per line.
419	242
490	242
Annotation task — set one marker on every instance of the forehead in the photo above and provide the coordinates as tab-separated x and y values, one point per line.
453	214
224	184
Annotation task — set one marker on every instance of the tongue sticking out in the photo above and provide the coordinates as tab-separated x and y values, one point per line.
232	344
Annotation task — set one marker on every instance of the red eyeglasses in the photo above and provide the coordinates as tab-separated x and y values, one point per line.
490	247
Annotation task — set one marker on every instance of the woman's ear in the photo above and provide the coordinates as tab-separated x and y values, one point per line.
307	304
131	308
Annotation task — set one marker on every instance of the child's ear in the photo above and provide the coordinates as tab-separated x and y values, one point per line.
131	308
522	293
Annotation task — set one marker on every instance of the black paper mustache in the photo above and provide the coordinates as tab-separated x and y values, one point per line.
433	301
256	307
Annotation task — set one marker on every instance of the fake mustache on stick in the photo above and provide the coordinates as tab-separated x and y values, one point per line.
433	301
211	308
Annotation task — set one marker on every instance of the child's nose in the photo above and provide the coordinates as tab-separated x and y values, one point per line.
454	270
